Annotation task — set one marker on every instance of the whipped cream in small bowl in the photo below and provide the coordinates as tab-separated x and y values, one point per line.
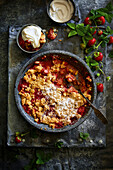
61	11
31	38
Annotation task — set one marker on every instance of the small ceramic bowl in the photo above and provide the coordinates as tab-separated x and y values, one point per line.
48	11
19	36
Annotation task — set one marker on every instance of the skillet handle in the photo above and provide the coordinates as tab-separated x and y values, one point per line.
98	113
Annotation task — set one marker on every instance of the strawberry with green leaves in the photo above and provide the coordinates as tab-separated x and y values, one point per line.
94	31
100	20
87	21
18	139
110	40
98	56
100	32
91	42
100	87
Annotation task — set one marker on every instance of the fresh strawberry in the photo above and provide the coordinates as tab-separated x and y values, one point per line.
100	32
91	42
94	31
110	40
98	56
87	21
100	20
18	139
100	87
51	34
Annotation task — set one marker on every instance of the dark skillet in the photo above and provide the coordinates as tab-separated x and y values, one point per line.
69	57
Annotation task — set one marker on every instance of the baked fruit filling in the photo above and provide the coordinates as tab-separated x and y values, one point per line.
45	95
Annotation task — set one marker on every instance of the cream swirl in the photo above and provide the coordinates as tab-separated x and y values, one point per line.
32	33
61	10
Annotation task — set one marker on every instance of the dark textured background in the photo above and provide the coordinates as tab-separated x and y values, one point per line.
20	12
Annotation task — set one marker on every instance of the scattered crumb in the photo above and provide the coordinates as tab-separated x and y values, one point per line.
23	140
91	141
100	141
80	140
71	140
47	141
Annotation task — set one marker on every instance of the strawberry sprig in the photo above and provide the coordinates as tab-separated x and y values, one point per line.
20	137
90	44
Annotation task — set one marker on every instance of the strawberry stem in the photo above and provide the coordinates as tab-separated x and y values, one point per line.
101	71
23	134
98	45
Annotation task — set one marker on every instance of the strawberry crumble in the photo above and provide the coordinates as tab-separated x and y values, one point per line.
46	97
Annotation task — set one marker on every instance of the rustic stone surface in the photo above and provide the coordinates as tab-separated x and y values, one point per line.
23	12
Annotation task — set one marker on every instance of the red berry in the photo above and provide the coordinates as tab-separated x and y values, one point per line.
87	21
100	32
101	20
110	40
18	139
98	56
51	34
94	31
91	42
100	87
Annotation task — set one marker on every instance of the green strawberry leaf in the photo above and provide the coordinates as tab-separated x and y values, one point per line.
108	29
105	33
71	25
42	157
59	144
111	32
109	6
108	17
94	17
88	37
84	135
111	54
93	12
80	29
72	33
103	44
84	40
86	29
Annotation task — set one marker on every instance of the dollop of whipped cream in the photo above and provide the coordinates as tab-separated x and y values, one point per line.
32	33
61	10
